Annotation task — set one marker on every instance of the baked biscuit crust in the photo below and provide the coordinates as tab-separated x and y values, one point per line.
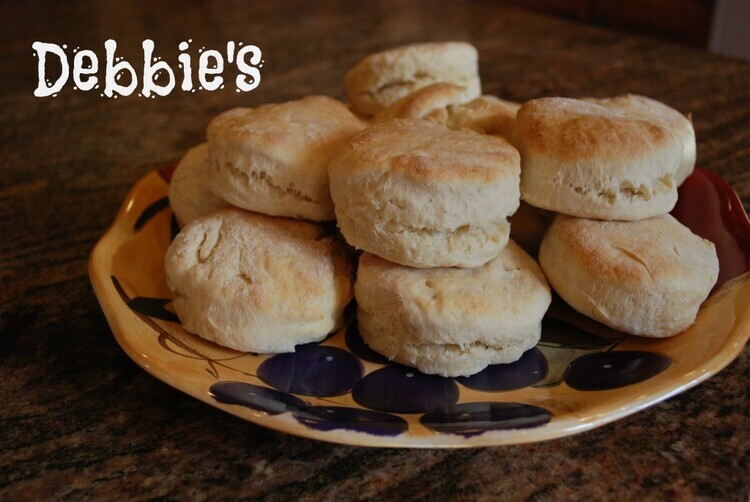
256	283
381	79
644	277
655	110
452	321
189	194
595	161
422	195
273	159
486	114
429	103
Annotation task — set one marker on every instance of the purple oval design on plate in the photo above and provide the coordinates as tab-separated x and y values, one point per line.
327	418
611	370
398	389
528	370
269	401
312	370
360	348
471	419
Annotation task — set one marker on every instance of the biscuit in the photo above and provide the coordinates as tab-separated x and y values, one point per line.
189	195
486	114
256	283
595	161
452	321
657	111
644	277
442	103
422	195
429	103
273	159
381	79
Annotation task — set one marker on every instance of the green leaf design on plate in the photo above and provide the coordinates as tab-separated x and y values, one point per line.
562	342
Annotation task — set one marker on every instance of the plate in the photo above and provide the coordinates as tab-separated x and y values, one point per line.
580	376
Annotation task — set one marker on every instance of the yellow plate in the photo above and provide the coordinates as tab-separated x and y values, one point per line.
127	273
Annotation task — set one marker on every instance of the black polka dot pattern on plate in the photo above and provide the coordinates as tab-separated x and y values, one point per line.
312	370
327	418
531	368
263	399
611	370
471	419
398	389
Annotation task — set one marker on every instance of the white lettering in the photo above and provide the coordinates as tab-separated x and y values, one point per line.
159	78
247	70
42	89
205	70
187	76
150	72
113	70
79	69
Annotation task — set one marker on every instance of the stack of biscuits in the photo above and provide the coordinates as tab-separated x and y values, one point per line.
424	176
252	268
609	169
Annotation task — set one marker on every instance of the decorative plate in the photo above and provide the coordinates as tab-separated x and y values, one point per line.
581	375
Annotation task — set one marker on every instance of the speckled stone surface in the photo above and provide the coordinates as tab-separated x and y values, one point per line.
79	420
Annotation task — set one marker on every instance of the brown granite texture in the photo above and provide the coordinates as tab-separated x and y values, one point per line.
79	420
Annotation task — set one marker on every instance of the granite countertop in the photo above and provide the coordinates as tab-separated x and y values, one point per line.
81	420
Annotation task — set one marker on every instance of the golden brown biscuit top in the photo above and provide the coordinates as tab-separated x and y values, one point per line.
486	114
260	259
421	103
513	277
381	79
647	251
430	153
305	124
570	129
432	53
646	107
